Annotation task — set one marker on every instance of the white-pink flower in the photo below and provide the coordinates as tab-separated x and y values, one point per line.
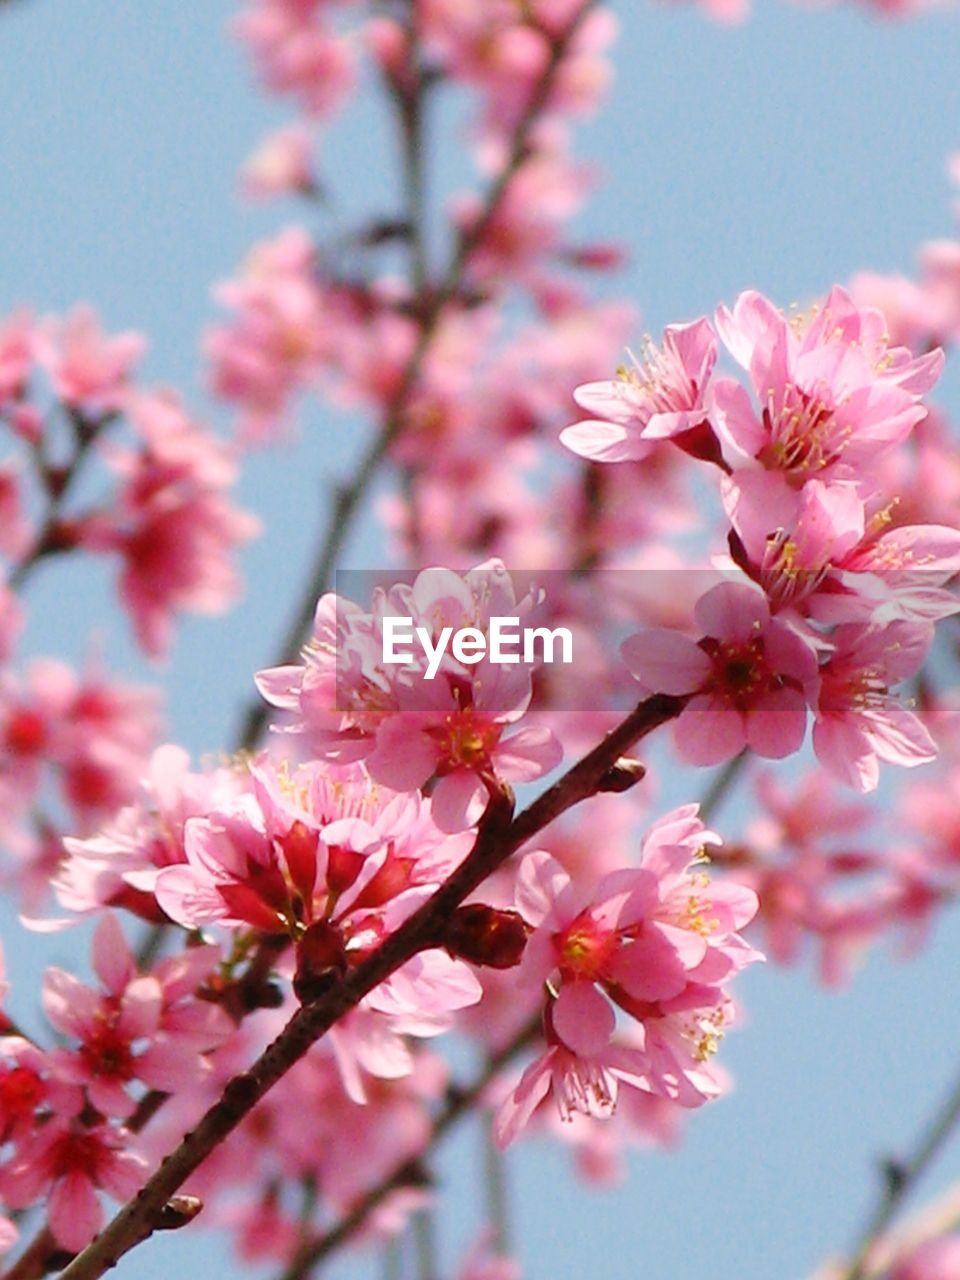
832	394
658	942
656	398
858	721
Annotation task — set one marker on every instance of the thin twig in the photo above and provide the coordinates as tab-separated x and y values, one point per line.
349	497
495	1185
721	784
58	480
459	1103
900	1179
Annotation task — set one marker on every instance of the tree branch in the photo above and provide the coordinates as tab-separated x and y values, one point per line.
459	1103
349	497
500	835
901	1176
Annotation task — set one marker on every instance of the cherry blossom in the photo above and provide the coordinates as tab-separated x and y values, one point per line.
662	396
750	677
658	942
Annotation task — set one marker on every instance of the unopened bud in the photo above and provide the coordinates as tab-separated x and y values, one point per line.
622	775
321	961
486	935
178	1212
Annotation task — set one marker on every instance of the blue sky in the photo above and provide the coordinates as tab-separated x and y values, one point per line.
784	154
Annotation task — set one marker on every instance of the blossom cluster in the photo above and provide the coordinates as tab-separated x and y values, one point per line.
838	593
597	942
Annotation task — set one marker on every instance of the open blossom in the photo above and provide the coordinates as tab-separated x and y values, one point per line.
278	336
147	1028
337	864
828	553
71	1162
119	866
89	733
749	677
321	844
833	395
353	705
656	398
171	522
858	720
659	942
88	370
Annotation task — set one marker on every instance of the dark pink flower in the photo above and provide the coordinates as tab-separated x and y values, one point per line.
749	677
147	1028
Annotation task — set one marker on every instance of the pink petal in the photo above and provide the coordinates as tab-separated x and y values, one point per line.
604	442
583	1018
112	960
458	801
665	661
731	611
708	732
843	747
74	1212
776	726
527	754
517	1109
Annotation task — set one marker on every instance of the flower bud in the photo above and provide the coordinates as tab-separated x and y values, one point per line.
321	961
486	936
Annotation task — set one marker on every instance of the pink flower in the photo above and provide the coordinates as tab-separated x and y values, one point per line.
353	705
337	849
138	1028
278	338
833	396
171	523
659	942
750	677
71	1162
90	733
296	55
17	346
858	722
660	398
835	557
337	864
88	370
119	866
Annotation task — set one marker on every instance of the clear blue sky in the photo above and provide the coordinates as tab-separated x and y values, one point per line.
784	155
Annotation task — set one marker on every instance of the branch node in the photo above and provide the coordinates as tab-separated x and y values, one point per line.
178	1212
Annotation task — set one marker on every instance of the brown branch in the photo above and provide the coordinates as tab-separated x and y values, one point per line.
349	497
57	480
459	1102
500	836
36	1261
